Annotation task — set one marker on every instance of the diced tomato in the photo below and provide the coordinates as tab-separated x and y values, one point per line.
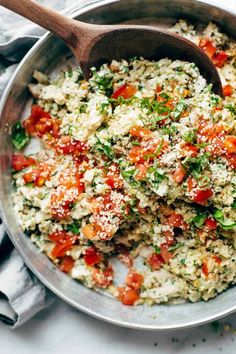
38	175
59	236
142	172
137	154
175	220
155	261
67	146
179	174
230	144
127	296
126	91
201	196
39	181
227	90
211	224
113	179
40	123
92	256
90	231
216	144
217	259
20	162
165	254
207	46
60	249
220	58
205	269
169	237
66	264
64	242
189	150
139	132
158	89
134	280
30	177
103	277
141	154
231	160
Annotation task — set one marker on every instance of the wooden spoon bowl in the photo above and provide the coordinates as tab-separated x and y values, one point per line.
94	45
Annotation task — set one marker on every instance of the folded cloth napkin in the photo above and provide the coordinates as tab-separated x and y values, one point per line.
21	293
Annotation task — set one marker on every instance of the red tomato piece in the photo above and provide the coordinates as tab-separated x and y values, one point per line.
201	196
217	259
63	243
205	269
231	160
169	237
175	220
67	146
227	90
207	46
127	296
39	122
136	154
20	162
134	280
155	261
92	256
113	179
103	277
126	91
220	58
66	264
230	144
166	255
211	224
139	132
216	144
142	172
179	174
189	150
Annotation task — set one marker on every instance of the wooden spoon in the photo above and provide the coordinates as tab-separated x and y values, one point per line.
95	44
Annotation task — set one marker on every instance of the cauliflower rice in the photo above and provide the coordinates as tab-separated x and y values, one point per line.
136	164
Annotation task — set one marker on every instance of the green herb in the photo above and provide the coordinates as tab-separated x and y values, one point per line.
135	143
190	137
176	246
158	150
232	109
83	108
179	109
157	249
233	206
104	148
225	223
182	261
20	138
74	228
103	107
195	165
128	173
199	220
104	82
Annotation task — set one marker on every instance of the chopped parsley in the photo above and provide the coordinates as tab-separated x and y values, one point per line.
20	137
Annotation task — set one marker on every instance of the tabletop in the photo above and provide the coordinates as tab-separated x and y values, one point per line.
62	327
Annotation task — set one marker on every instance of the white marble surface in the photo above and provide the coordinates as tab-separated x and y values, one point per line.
62	329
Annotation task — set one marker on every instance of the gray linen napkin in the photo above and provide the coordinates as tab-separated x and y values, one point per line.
21	293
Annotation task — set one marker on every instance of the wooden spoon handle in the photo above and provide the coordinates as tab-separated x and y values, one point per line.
64	27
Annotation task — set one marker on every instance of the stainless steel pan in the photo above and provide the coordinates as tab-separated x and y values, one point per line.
43	56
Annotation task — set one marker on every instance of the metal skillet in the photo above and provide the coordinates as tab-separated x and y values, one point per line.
44	55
